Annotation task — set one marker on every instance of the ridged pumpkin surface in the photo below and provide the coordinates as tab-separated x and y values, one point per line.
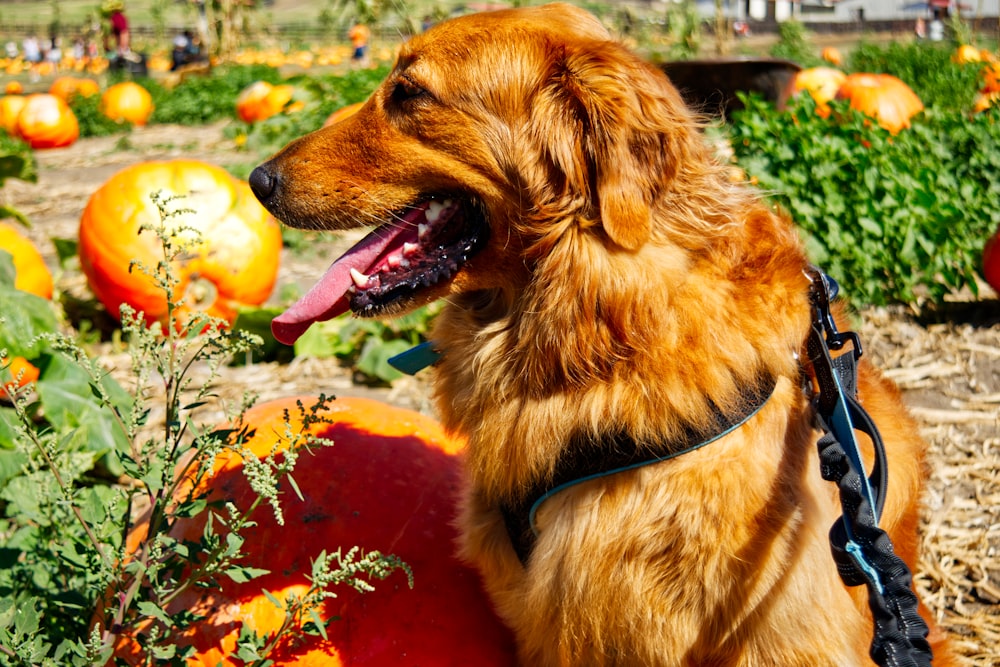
389	482
127	102
31	274
235	264
883	97
45	121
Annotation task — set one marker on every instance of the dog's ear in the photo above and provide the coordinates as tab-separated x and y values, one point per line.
628	126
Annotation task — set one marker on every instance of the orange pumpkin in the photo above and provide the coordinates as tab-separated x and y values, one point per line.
966	53
343	113
31	274
389	483
821	83
883	97
66	87
985	100
127	102
261	100
831	54
13	88
991	77
235	263
16	371
46	121
10	109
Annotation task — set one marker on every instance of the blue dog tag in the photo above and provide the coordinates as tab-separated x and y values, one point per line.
415	359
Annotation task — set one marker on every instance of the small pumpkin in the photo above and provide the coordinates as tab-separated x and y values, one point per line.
966	53
991	261
236	262
10	109
31	274
67	87
822	84
343	113
832	55
389	482
16	372
13	88
261	100
883	97
46	121
127	102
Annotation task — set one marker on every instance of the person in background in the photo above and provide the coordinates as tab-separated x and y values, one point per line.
118	39
359	35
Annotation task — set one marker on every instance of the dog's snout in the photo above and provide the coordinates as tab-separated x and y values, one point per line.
262	182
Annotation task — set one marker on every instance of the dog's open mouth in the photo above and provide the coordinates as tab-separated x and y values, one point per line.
418	249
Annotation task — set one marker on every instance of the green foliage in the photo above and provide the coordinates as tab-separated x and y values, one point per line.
925	67
17	160
321	95
93	122
199	100
78	454
683	30
894	218
367	345
793	44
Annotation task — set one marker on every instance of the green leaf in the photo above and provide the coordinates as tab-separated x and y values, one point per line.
24	317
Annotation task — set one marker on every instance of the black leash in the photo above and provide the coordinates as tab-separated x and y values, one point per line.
863	551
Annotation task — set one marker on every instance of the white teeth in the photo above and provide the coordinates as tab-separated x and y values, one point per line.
360	279
403	262
392	262
422	230
434	211
410	248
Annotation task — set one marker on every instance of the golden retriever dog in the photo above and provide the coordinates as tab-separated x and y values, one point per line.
605	283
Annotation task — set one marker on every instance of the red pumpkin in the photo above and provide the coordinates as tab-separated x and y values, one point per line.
389	482
236	262
31	274
46	121
991	261
883	97
127	102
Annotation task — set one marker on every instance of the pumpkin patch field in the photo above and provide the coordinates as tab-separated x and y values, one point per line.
938	337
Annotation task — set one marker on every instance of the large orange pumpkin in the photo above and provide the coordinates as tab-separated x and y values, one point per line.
883	97
127	102
10	109
261	100
822	84
67	87
236	262
46	121
31	274
389	482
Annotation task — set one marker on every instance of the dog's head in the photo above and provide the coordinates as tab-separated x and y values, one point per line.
494	136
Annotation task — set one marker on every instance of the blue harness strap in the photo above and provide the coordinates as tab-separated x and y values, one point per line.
863	551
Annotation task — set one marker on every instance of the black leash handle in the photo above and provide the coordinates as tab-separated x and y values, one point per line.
863	552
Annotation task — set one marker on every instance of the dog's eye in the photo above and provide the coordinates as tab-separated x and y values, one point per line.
405	90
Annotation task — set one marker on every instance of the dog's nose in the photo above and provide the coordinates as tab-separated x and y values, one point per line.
262	182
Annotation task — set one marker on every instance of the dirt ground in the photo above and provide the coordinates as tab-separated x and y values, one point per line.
948	365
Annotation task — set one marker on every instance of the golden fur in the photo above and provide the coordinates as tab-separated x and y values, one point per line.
625	285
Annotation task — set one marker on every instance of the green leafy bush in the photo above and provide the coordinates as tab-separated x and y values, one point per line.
78	455
894	218
200	100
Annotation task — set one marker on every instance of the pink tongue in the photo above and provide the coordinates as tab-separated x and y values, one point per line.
329	297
